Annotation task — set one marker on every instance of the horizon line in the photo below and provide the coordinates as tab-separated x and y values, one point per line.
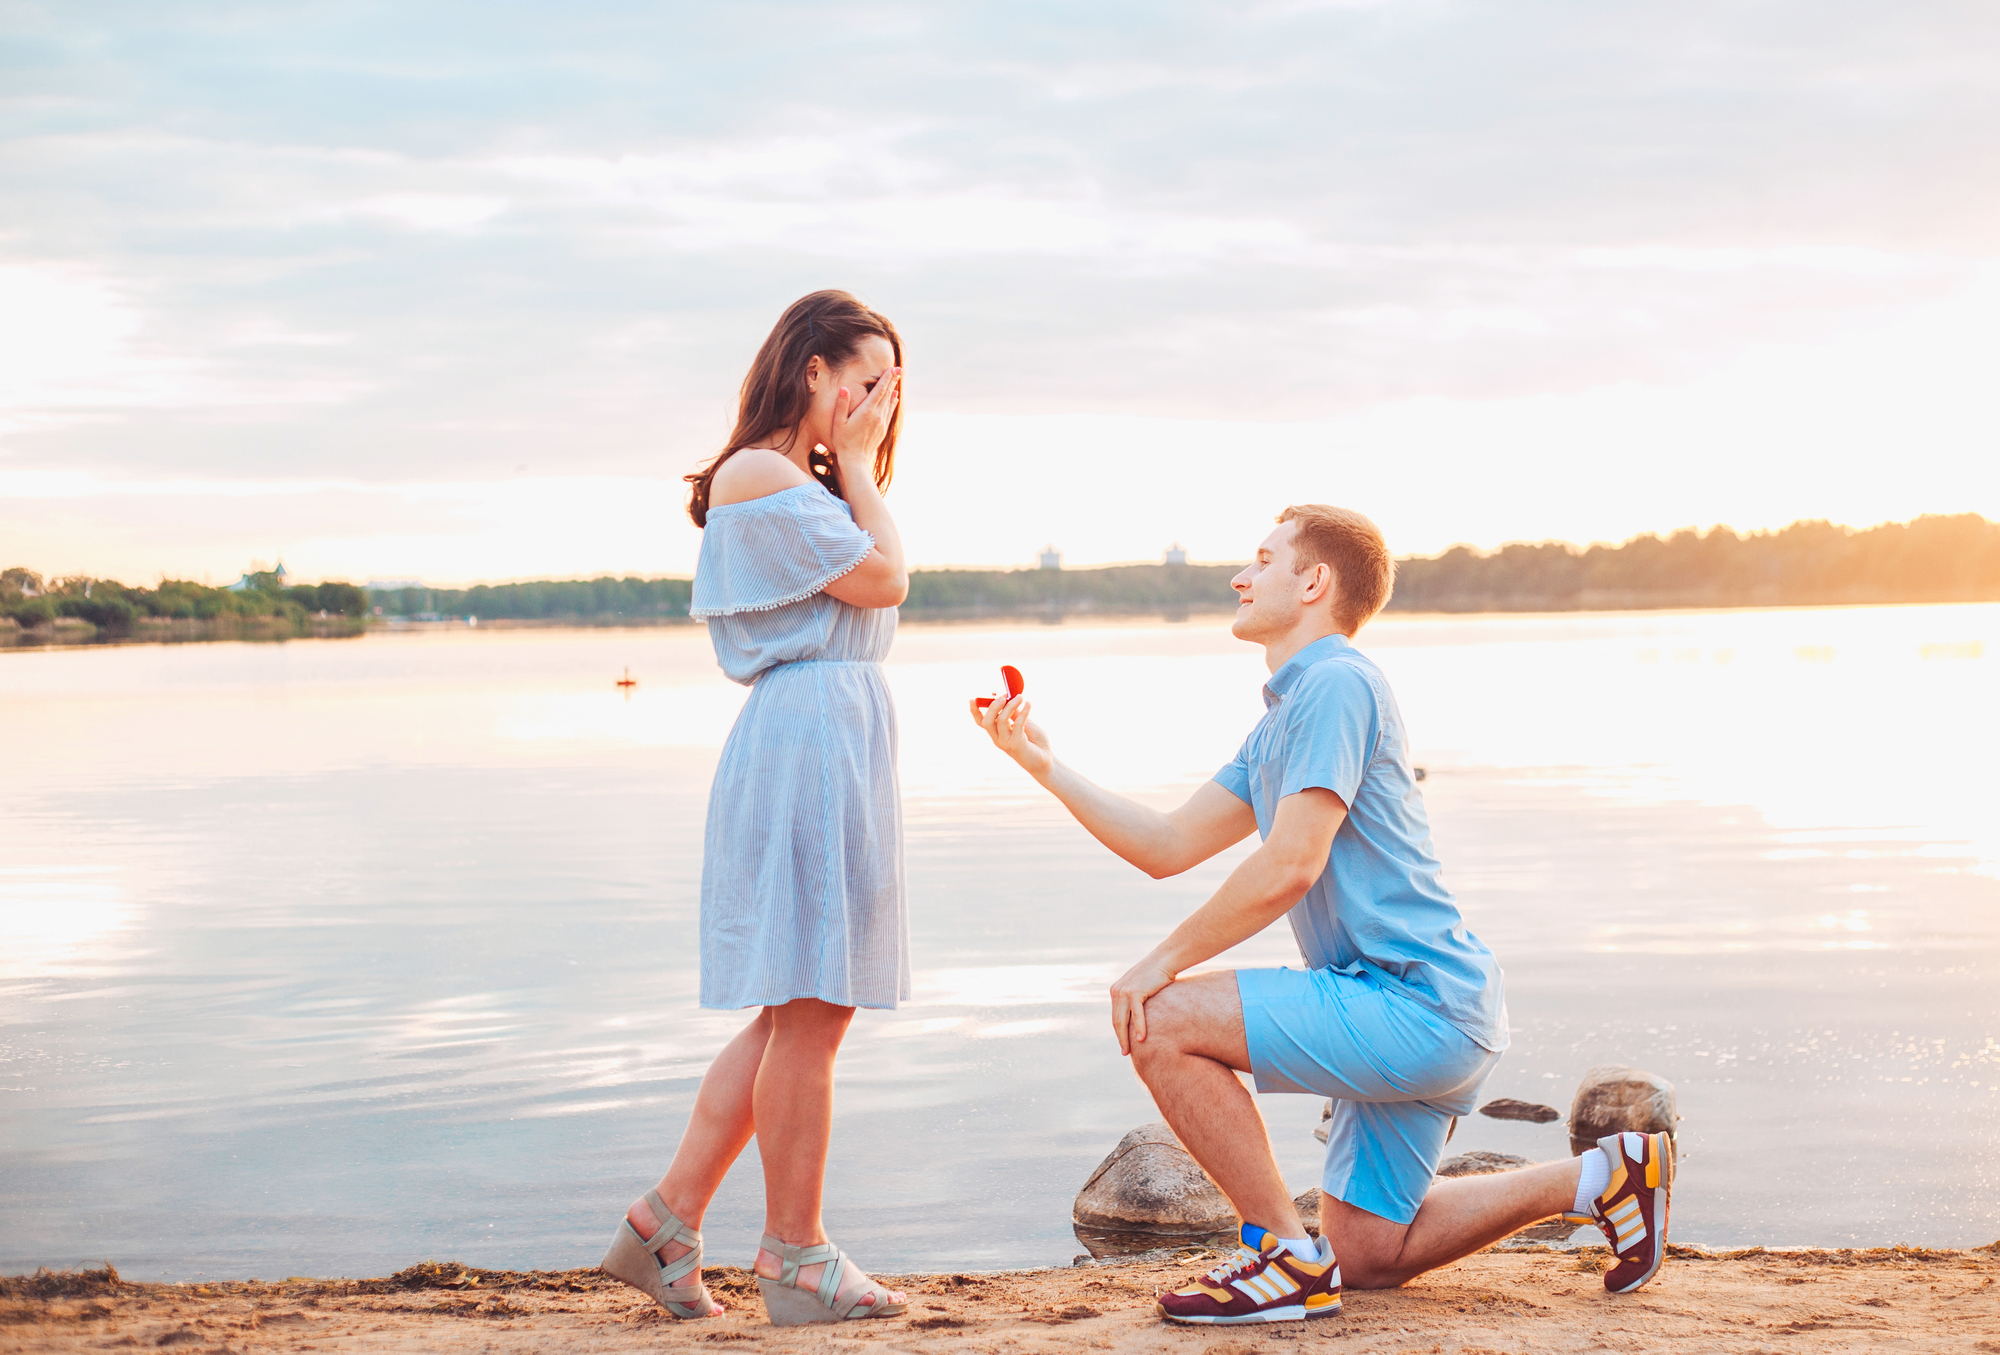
1067	567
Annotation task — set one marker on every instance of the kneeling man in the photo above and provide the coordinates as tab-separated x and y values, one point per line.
1399	1014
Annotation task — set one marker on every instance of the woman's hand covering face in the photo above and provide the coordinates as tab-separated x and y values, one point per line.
858	429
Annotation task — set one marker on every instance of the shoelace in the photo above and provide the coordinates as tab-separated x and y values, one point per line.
1238	1261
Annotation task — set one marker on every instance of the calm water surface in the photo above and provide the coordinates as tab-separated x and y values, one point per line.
327	957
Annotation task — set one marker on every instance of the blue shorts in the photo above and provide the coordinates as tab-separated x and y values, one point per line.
1397	1074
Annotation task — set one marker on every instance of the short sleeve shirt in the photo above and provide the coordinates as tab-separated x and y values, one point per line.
1330	721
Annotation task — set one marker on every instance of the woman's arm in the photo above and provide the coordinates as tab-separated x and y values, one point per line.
881	579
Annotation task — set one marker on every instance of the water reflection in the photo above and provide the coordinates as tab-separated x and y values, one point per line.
357	954
56	918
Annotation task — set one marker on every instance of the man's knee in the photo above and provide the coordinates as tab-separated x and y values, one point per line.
1200	1016
1362	1271
1164	1042
1369	1247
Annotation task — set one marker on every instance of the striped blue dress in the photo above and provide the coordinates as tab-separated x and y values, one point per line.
802	867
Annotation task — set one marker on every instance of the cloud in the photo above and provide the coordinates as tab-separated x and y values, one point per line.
68	340
434	211
871	200
375	248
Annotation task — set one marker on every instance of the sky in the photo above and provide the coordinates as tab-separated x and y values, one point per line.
459	291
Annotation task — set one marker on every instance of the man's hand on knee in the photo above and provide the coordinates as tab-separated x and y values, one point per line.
1201	1015
1128	1001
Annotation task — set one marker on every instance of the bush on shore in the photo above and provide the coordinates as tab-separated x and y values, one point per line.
113	607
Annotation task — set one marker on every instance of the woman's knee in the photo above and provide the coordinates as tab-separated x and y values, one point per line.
807	1019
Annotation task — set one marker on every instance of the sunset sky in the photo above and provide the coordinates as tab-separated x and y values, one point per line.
459	291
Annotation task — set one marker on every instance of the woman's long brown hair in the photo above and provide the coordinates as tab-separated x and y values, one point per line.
774	399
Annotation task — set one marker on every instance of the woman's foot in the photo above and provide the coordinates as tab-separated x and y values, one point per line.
771	1267
646	1223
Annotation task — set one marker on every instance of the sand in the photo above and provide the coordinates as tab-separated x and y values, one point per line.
1540	1300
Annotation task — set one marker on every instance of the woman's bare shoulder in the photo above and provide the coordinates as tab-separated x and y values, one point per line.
754	473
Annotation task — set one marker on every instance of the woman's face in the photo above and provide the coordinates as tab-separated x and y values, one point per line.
859	374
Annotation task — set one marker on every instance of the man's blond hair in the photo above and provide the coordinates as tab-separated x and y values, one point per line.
1364	573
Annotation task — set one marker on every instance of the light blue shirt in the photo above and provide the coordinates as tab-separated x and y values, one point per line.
1330	721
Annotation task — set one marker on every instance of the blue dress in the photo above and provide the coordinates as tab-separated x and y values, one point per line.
802	867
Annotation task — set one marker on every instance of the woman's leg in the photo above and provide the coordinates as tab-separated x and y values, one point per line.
721	1124
794	1111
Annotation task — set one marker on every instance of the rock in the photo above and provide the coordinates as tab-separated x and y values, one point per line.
1613	1098
1507	1108
1479	1162
1150	1193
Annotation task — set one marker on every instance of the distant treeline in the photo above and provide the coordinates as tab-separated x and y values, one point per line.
605	599
266	603
1931	559
1170	589
933	592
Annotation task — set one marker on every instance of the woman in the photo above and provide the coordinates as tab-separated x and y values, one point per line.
800	575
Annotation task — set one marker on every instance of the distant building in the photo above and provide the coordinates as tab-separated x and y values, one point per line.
1051	558
257	576
1176	555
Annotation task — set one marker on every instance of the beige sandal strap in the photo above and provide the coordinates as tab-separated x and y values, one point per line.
671	1230
794	1258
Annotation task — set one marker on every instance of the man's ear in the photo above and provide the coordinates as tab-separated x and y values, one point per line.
1322	582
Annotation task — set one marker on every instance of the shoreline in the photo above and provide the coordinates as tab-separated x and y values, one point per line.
82	635
1517	1299
73	633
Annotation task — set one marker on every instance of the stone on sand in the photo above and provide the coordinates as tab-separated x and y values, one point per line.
1150	1185
1613	1098
1507	1108
1479	1162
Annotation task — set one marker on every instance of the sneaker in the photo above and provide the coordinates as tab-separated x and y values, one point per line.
1632	1210
1260	1282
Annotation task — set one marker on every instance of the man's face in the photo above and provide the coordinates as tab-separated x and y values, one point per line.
1269	596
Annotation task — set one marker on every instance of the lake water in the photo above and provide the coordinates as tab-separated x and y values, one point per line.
328	957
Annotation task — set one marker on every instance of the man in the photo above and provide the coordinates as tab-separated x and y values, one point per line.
1399	1015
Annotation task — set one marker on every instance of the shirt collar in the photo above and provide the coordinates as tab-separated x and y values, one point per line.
1294	668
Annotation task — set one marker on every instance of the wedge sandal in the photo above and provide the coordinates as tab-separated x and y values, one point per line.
635	1261
788	1305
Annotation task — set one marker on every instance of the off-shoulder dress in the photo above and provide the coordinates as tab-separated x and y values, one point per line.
802	868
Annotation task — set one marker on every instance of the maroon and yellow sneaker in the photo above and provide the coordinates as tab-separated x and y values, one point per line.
1632	1209
1260	1282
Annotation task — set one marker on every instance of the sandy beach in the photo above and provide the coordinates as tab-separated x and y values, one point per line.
1540	1300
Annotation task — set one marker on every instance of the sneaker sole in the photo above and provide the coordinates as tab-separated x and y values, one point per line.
1295	1312
1662	1198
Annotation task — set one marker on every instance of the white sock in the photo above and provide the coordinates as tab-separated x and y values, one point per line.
1308	1250
1595	1176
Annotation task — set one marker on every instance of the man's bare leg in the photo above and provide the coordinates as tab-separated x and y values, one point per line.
1194	1044
1457	1218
